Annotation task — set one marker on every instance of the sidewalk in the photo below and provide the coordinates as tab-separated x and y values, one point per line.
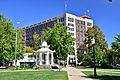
75	74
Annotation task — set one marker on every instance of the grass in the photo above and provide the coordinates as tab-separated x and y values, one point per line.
102	74
34	75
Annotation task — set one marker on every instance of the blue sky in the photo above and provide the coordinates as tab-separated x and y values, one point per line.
106	15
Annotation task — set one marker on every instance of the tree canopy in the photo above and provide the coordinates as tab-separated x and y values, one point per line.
100	43
115	47
59	40
28	49
7	40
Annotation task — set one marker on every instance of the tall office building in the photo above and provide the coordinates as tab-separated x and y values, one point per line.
77	27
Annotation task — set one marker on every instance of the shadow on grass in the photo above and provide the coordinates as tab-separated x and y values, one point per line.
106	77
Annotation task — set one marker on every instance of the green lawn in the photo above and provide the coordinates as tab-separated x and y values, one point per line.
34	75
102	74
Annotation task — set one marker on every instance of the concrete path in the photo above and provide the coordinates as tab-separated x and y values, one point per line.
75	74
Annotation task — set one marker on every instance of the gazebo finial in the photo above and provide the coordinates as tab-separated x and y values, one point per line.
44	44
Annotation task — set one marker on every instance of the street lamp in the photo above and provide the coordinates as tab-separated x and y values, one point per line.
16	45
94	56
85	54
15	48
85	63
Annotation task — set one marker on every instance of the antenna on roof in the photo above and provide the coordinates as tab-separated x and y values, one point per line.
65	6
86	12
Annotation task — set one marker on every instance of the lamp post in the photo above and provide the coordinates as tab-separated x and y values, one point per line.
16	45
85	63
94	56
85	54
15	49
25	48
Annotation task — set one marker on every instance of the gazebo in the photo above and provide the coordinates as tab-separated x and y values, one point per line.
44	55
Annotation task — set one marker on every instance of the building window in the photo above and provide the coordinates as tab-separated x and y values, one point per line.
84	31
63	24
70	29
81	31
89	24
80	39
61	20
82	26
78	26
69	24
70	19
82	22
72	34
77	21
77	30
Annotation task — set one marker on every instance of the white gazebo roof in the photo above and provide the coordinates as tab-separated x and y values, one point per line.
45	48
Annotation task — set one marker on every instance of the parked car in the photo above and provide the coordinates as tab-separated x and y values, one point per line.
118	65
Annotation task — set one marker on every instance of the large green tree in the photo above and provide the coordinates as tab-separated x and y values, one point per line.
116	48
59	40
7	40
100	43
110	56
116	45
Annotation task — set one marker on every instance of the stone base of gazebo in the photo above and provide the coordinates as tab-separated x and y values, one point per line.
43	66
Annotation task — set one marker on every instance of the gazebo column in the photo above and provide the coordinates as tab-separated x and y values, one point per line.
47	59
68	60
40	59
36	60
52	59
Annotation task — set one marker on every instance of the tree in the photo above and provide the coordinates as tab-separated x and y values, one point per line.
110	56
7	40
116	45
59	40
116	48
28	49
100	43
80	53
36	41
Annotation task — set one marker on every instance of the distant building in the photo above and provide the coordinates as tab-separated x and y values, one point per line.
77	27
